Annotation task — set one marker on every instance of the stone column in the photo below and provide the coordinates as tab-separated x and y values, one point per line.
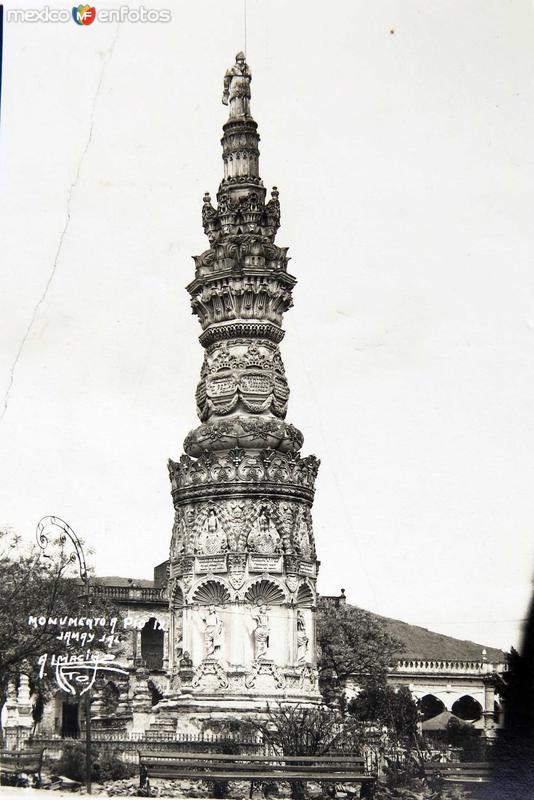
142	700
137	647
166	650
489	706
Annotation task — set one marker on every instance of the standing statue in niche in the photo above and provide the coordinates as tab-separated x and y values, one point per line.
212	633
237	88
302	539
212	539
264	538
302	638
178	639
261	633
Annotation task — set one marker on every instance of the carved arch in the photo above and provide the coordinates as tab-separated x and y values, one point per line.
306	597
211	591
177	596
265	590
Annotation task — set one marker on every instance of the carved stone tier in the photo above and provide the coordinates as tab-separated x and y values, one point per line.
242	376
240	329
267	528
240	157
229	296
239	467
243	432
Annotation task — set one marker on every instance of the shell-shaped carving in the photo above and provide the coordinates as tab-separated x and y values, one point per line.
305	596
265	592
177	595
211	593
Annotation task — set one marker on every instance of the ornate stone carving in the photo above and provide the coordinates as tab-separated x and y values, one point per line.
178	637
264	538
302	638
245	297
309	677
211	674
268	668
237	563
237	516
239	467
212	633
212	538
303	540
234	330
292	583
243	432
252	381
261	633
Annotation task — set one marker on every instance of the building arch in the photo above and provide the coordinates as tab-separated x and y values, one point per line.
430	706
110	698
467	708
152	636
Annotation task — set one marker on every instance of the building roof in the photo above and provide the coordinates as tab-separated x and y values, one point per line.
116	580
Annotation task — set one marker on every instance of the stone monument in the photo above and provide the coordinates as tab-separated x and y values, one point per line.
243	566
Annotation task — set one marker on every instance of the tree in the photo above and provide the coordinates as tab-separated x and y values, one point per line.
294	730
352	642
395	713
392	708
40	603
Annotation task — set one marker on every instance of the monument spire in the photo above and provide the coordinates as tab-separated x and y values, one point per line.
243	565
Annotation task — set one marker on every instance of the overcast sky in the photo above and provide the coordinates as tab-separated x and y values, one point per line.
400	136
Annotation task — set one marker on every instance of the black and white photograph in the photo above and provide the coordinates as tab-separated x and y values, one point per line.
266	399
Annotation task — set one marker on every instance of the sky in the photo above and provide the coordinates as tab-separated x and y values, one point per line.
400	137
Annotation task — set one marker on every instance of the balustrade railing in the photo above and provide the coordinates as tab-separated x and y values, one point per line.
138	594
409	665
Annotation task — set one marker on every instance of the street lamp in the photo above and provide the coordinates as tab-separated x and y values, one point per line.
63	533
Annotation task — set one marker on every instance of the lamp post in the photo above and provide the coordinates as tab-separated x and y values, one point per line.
64	534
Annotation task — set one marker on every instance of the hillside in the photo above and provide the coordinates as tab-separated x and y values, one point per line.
421	643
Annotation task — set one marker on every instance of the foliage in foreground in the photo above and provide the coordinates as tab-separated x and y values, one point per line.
105	764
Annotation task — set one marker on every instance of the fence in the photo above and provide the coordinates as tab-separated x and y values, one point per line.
127	745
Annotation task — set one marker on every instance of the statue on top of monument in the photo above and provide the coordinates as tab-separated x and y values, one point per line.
237	88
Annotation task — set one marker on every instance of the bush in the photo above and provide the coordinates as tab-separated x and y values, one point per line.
105	764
